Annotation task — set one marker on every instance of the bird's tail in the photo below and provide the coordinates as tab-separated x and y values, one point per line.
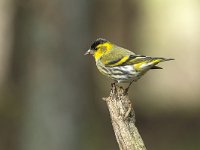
160	59
167	59
156	67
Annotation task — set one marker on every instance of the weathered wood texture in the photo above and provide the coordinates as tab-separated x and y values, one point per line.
123	120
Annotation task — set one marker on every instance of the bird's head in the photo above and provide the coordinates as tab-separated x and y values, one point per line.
99	48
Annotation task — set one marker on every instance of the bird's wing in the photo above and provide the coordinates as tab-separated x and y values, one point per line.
119	60
122	57
143	62
138	61
116	57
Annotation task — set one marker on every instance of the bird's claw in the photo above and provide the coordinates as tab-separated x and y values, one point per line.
126	91
113	85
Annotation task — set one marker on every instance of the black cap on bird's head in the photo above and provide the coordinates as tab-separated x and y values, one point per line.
95	44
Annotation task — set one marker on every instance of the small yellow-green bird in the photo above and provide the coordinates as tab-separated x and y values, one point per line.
120	64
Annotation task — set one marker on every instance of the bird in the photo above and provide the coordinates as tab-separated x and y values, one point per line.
120	64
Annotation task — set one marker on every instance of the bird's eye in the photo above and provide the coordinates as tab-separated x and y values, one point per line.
96	48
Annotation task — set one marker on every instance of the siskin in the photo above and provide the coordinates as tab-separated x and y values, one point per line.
120	64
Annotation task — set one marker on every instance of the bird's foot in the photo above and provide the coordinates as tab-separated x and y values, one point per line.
113	85
126	91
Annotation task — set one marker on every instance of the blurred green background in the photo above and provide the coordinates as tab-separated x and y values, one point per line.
50	93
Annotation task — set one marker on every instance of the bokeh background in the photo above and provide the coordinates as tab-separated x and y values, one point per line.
51	94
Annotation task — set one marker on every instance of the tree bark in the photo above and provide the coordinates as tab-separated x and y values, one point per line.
123	120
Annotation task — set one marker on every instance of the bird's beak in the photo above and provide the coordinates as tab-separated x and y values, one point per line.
88	52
